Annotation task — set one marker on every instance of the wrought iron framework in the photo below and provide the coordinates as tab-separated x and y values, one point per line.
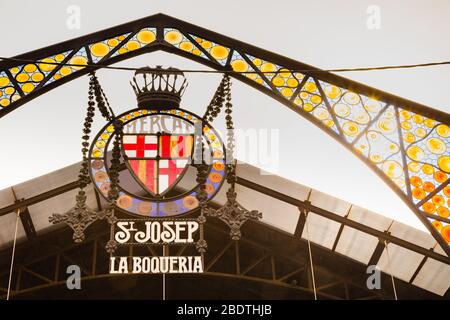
266	258
404	142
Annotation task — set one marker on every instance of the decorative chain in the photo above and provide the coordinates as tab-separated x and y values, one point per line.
100	97
216	104
90	113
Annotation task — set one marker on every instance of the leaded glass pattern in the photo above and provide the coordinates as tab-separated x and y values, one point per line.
407	148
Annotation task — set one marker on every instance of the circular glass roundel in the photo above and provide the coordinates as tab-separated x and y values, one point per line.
157	149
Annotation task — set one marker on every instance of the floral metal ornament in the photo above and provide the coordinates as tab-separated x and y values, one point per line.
80	217
233	214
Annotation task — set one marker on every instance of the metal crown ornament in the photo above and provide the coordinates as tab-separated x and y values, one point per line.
159	87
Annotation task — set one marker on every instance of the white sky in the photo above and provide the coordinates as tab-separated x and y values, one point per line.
44	135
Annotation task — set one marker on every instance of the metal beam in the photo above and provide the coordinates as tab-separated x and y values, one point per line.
335	217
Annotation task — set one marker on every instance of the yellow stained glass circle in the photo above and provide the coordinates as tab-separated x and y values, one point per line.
28	87
392	169
22	77
321	113
362	118
146	36
415	153
351	98
206	44
285	73
173	37
386	125
37	77
372	106
239	65
65	71
444	163
350	129
443	130
186	46
100	144
308	107
133	45
257	62
78	60
376	158
427	169
112	42
429	123
310	86
417	118
30	68
219	52
4	102
373	135
404	114
10	90
47	67
287	92
278	81
332	91
414	167
409	137
341	110
316	99
436	146
4	81
291	82
406	125
99	49
420	132
268	67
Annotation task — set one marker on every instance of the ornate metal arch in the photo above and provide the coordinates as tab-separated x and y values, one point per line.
407	144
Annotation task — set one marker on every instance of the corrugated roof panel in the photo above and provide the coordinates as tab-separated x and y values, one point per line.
369	218
40	212
402	263
272	181
327	202
275	212
321	230
8	223
434	276
412	235
47	182
356	244
6	197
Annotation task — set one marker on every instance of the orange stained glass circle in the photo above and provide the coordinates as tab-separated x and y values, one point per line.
428	207
428	187
415	181
443	212
418	193
124	201
437	224
446	233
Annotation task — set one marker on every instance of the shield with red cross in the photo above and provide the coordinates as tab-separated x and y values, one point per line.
157	161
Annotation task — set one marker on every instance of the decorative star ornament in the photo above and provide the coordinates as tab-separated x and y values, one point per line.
80	217
233	214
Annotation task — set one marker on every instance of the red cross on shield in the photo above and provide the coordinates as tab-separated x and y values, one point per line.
157	161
